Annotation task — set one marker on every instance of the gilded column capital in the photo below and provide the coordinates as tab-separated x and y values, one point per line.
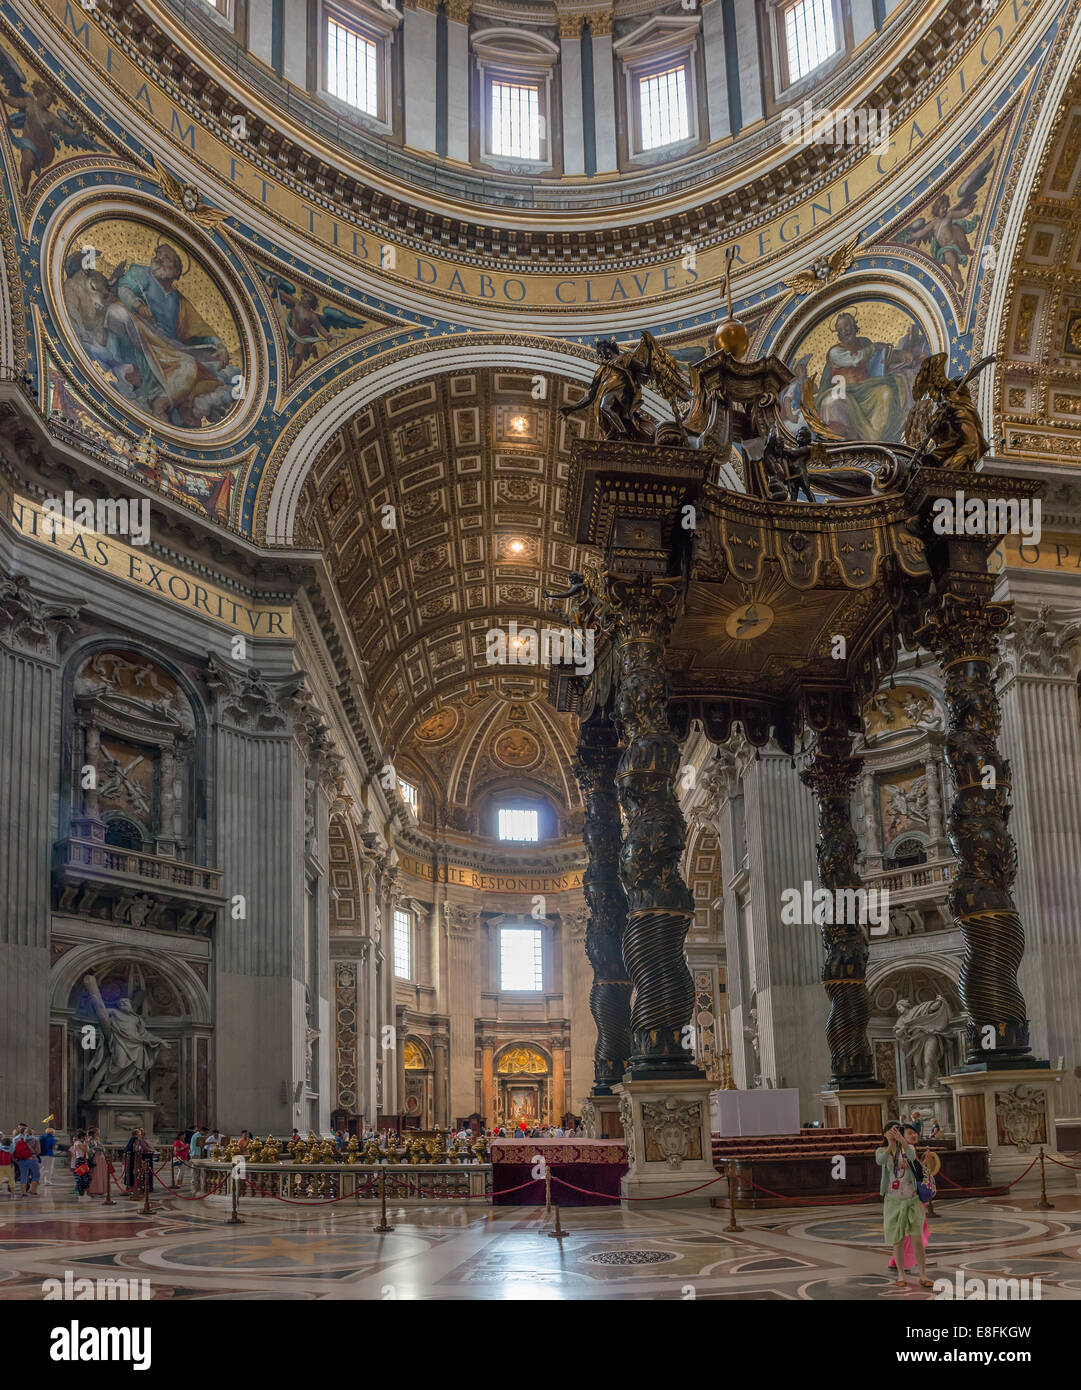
600	22
570	25
458	10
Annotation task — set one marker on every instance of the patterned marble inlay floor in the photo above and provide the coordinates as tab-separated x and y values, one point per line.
455	1251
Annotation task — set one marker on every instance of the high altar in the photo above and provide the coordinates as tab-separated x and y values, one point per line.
779	608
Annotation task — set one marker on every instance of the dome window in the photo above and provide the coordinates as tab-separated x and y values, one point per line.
810	36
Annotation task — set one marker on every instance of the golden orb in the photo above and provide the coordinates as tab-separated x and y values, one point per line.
732	337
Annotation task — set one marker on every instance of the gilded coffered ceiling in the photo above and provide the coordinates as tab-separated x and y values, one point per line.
441	511
1039	388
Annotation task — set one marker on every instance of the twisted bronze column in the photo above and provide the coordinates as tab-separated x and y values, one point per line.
832	775
659	902
610	995
963	631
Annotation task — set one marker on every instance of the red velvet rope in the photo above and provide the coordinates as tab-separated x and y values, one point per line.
615	1197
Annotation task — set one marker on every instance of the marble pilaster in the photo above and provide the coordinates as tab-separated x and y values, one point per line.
31	632
791	1014
1040	735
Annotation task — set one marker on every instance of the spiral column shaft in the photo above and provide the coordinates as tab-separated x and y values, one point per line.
610	995
660	905
832	775
963	633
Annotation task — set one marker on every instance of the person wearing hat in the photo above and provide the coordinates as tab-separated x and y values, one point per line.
902	1209
930	1163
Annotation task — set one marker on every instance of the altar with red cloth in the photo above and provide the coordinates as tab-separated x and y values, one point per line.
594	1165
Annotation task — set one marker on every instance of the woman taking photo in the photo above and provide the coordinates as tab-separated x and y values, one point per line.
902	1209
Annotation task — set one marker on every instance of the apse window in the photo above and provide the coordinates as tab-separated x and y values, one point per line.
521	965
352	68
518	824
810	36
409	794
516	121
403	945
662	102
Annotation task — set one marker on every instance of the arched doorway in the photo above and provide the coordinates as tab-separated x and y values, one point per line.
523	1086
418	1102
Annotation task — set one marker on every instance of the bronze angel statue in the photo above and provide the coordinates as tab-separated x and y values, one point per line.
615	395
944	425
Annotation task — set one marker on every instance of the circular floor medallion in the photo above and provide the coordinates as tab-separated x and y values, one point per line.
631	1257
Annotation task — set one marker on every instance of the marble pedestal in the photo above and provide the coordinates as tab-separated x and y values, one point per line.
862	1110
117	1116
600	1117
1001	1111
932	1102
669	1147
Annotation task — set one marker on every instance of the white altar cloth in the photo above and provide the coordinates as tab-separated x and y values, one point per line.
763	1111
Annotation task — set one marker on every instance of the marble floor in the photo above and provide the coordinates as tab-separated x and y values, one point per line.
467	1250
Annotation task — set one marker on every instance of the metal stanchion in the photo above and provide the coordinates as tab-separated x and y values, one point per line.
383	1228
731	1175
108	1179
547	1190
1043	1204
234	1217
148	1177
559	1233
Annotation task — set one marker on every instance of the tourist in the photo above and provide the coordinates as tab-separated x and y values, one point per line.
910	1137
7	1163
47	1147
98	1159
902	1210
80	1168
197	1142
129	1160
180	1157
26	1153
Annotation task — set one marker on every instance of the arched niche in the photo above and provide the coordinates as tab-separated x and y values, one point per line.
170	993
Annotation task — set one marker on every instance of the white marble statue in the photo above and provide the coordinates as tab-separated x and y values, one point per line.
922	1029
126	1049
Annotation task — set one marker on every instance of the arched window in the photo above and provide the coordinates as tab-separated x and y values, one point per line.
123	834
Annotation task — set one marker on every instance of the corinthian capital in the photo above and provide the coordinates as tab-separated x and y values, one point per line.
31	624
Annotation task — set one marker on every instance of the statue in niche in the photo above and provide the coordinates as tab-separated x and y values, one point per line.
126	1050
922	1030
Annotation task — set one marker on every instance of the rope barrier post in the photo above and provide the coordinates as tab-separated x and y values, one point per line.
547	1190
108	1179
1043	1204
559	1233
146	1183
382	1228
234	1215
929	1209
732	1224
133	1190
